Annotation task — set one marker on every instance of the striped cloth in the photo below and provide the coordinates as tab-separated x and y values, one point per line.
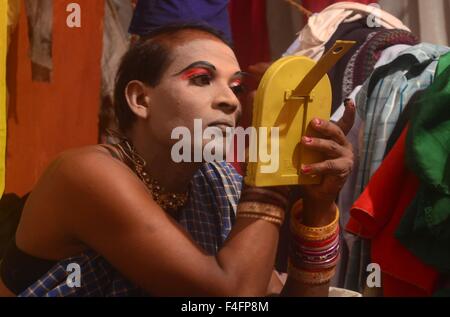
383	97
208	216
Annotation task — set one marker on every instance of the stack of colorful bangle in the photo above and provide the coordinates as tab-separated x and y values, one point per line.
267	204
314	252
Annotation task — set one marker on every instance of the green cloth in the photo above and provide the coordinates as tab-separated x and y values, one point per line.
444	63
425	226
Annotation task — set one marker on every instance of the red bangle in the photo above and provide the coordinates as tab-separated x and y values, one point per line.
315	244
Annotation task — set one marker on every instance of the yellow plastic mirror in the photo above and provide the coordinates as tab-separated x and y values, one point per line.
292	92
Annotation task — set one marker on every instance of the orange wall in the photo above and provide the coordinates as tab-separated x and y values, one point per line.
47	118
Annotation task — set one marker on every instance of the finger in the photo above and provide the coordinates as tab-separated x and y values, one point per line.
330	130
348	119
339	167
329	147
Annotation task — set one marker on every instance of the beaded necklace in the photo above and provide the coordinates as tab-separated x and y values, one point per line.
166	200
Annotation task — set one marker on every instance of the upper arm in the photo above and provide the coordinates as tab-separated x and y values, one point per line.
111	211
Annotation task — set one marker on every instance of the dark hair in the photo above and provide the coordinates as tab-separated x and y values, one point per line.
146	61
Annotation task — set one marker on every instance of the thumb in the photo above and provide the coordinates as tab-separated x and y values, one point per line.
348	119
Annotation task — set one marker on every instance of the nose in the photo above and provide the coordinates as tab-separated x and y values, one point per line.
227	101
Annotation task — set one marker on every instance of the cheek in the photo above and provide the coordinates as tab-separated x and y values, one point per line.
179	108
185	102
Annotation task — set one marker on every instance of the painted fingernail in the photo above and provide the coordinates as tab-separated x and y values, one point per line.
307	140
317	122
349	103
306	169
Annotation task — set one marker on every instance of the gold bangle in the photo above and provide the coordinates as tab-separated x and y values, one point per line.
270	213
253	206
263	211
259	215
274	220
312	233
312	278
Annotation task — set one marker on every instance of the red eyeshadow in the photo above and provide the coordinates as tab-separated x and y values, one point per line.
194	72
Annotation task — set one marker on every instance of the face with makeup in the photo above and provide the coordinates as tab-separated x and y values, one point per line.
203	81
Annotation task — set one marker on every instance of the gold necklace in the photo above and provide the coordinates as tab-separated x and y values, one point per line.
166	200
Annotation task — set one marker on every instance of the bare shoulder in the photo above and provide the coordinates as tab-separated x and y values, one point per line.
92	171
88	185
87	168
86	161
83	190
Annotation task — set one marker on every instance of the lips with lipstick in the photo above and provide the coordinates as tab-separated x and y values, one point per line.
223	125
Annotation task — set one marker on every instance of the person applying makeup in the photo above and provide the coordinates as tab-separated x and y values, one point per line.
120	220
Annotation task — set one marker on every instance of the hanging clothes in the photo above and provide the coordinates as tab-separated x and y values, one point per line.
321	27
384	96
40	24
359	32
402	121
13	16
355	252
425	227
363	62
410	72
116	41
46	119
357	65
427	19
376	215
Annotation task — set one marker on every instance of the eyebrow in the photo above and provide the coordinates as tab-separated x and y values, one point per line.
202	64
241	74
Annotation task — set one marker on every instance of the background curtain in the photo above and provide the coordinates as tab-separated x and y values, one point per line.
46	118
429	20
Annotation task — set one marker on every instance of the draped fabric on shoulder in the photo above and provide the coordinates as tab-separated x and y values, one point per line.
208	216
210	211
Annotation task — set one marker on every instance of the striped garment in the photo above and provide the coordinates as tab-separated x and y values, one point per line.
208	216
383	97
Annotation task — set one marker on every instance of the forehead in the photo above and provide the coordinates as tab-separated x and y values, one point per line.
204	49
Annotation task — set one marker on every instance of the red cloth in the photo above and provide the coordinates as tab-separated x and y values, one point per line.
318	5
249	29
251	45
376	215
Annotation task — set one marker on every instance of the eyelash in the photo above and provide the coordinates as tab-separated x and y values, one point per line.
238	88
204	79
199	79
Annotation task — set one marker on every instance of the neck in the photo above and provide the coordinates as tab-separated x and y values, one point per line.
173	177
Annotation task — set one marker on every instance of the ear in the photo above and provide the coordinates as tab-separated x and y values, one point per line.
138	98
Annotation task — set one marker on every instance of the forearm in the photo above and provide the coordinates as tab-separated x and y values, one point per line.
248	256
318	213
